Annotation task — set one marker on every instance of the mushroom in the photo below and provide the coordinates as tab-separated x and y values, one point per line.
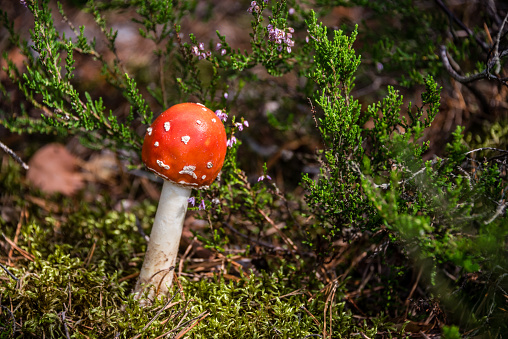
185	146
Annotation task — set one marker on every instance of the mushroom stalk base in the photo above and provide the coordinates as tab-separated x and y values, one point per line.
157	271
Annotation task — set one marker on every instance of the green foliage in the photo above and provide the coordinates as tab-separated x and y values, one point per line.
48	85
441	211
406	48
448	212
334	198
451	332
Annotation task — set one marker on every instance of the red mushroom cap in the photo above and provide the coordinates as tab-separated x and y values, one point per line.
186	145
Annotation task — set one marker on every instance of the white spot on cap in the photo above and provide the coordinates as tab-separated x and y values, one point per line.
162	164
203	177
198	122
204	108
166	126
156	144
149	131
209	164
185	139
200	104
213	120
189	170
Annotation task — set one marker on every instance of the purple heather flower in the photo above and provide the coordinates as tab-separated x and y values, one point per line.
261	178
222	115
280	37
253	7
202	206
218	46
195	50
223	52
201	46
192	201
291	11
226	95
231	141
246	123
239	125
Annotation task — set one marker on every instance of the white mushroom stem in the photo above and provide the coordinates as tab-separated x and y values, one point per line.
160	258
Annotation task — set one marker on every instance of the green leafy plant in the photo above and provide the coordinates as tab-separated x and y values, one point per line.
439	211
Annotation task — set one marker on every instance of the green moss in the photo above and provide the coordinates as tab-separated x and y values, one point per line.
62	290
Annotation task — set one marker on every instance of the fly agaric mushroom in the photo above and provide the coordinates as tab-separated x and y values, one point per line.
185	146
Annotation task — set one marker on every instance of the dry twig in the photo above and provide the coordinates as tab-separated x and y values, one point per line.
9	272
14	156
154	318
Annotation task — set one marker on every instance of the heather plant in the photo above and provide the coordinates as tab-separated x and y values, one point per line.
374	179
374	189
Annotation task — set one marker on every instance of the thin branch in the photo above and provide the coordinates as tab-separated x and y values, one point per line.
12	317
284	237
9	272
259	242
141	231
499	34
482	44
185	330
457	76
356	169
199	318
493	54
500	209
14	156
154	318
62	317
485	149
492	10
496	56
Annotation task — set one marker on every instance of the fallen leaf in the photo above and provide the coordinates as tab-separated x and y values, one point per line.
53	169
